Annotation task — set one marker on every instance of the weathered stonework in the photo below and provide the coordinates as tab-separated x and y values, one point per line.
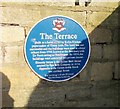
102	71
11	34
117	74
110	52
95	86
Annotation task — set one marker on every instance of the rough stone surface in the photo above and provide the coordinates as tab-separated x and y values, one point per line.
85	74
117	73
46	2
101	36
105	93
116	38
95	86
102	3
29	17
102	71
110	52
1	57
96	18
24	80
11	54
11	34
96	52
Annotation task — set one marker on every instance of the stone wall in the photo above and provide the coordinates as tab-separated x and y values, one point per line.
95	86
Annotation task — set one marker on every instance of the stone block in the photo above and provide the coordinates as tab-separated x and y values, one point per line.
104	19
27	30
11	54
96	52
110	52
78	16
11	34
117	73
100	35
76	91
105	94
116	33
59	2
89	29
16	14
113	20
102	71
47	2
85	73
21	79
7	101
1	57
105	3
24	87
30	16
21	56
77	94
42	94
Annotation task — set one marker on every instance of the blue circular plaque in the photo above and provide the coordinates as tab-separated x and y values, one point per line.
57	48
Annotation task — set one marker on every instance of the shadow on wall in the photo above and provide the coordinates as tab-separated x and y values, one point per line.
112	23
7	100
48	94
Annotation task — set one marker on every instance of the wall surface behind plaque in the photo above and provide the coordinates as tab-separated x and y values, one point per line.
97	84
